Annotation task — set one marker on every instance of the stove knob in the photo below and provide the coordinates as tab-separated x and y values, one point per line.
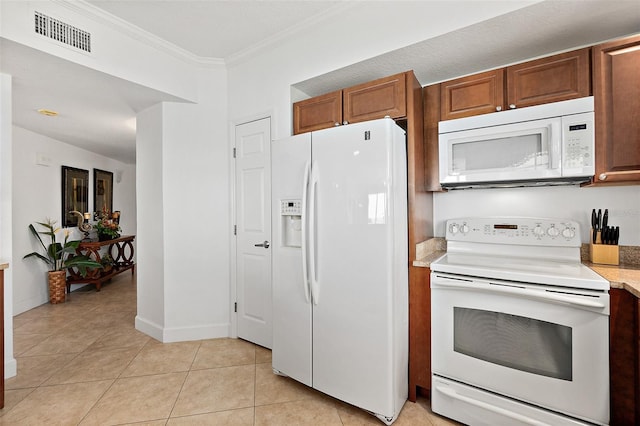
553	232
464	228
538	231
453	228
568	233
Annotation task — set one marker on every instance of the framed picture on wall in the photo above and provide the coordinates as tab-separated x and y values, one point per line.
75	194
102	191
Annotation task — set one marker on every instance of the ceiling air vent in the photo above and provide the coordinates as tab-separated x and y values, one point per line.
62	32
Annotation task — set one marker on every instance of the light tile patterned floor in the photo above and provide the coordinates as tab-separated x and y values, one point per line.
83	363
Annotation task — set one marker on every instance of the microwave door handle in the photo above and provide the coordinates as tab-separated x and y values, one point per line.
555	143
451	393
519	291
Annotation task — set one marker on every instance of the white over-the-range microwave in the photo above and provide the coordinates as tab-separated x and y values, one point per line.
550	144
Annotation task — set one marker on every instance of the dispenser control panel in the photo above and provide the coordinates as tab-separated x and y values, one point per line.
291	207
291	222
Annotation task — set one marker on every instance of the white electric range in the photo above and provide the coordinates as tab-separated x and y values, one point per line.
520	328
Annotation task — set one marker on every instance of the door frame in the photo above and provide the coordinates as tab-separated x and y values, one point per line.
233	316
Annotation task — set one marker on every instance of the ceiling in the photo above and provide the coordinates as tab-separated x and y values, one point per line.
97	111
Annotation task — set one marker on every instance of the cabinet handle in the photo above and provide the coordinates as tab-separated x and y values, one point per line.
512	106
336	124
604	176
345	122
498	108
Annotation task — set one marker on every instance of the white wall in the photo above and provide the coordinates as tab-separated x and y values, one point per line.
569	202
6	237
116	49
186	181
150	237
37	195
261	80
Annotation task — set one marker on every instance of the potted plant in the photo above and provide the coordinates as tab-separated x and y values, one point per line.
107	263
107	229
59	257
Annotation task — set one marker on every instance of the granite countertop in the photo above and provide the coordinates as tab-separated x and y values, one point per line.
626	276
3	265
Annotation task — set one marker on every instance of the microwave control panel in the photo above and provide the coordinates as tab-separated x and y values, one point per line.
578	144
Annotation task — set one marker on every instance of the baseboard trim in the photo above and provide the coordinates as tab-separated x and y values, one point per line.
182	334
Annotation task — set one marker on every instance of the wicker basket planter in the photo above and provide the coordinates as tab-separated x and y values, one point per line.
57	286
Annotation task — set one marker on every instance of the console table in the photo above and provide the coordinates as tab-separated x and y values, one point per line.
121	251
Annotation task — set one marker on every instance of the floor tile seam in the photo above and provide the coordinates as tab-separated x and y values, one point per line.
133	359
97	401
173	407
283	402
211	412
47	377
195	355
219	366
23	398
52	385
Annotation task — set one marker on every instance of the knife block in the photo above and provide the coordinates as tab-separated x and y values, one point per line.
604	254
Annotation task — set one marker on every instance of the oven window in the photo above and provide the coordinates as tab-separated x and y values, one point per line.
526	344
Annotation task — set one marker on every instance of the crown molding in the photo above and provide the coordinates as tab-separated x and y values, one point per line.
99	15
303	25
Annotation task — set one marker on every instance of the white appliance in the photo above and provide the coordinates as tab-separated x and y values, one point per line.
340	274
520	328
548	144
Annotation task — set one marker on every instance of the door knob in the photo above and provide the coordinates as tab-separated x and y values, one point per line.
264	244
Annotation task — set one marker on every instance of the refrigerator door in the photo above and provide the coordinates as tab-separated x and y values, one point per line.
291	353
359	247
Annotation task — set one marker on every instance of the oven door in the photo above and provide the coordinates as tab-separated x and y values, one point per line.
541	345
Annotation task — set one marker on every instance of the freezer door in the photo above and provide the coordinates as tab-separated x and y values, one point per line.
359	321
291	353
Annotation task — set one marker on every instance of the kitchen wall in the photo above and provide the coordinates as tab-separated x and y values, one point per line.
36	196
260	80
569	202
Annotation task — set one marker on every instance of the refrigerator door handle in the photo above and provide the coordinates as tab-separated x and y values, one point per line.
312	233
305	275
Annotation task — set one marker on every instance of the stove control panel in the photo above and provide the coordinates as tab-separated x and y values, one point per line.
515	230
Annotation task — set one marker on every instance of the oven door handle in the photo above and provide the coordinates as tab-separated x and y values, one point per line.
480	404
519	291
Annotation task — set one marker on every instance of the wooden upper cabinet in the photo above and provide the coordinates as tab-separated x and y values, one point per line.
616	86
376	99
317	113
472	95
551	79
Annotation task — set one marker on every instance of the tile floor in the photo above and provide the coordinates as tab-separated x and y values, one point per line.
83	363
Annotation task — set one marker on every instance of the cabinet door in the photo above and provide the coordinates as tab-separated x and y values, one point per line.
551	79
472	95
616	86
317	113
624	354
419	330
376	99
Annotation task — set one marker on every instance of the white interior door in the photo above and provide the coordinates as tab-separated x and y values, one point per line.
253	240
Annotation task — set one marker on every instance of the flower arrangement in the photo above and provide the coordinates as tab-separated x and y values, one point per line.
60	256
107	228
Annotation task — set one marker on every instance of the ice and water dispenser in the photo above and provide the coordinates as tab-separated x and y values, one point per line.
291	222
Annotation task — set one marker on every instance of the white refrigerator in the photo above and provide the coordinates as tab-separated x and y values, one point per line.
340	263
